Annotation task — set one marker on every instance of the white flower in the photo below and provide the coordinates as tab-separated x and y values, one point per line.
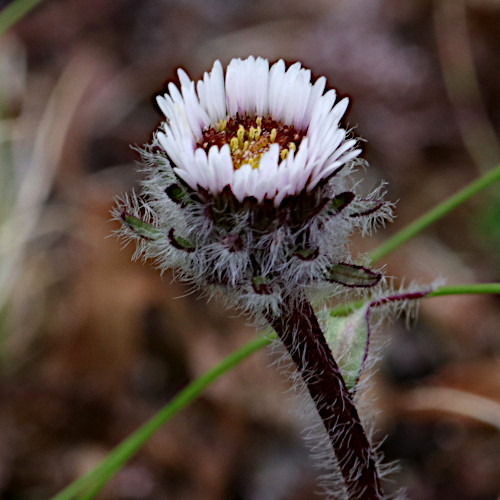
266	132
246	191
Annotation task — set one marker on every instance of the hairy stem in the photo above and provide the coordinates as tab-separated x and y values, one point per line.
298	329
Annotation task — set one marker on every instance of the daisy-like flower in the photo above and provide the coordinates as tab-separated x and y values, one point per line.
249	185
265	133
249	191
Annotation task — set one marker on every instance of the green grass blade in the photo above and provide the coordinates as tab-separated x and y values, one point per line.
14	12
474	288
434	214
89	485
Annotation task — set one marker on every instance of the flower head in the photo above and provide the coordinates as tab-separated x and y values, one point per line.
249	185
263	132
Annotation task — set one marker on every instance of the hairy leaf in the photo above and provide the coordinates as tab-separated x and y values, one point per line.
352	275
140	227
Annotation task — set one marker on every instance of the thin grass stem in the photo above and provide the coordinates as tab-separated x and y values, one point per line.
90	484
470	289
14	12
434	214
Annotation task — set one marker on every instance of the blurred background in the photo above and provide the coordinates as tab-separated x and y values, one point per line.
92	345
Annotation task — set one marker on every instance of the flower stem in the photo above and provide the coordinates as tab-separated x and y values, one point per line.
99	476
299	330
434	214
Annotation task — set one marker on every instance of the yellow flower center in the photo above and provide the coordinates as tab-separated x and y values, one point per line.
250	137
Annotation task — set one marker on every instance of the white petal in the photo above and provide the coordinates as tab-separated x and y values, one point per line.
298	166
349	156
284	102
292	92
323	106
197	117
342	149
261	86
323	175
162	104
316	93
188	177
212	94
301	101
252	182
247	86
340	108
204	176
276	75
220	163
327	143
171	147
231	86
247	95
331	167
268	172
280	195
241	181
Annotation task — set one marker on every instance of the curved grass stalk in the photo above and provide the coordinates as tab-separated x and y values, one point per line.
19	224
462	83
472	289
435	214
455	402
87	486
14	12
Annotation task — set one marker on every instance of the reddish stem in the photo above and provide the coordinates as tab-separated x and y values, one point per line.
301	334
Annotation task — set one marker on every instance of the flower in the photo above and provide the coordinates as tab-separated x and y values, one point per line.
264	132
249	186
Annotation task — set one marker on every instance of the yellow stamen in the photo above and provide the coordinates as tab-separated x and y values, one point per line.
241	134
251	138
254	162
234	144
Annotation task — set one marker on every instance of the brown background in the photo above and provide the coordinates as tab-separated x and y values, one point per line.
92	344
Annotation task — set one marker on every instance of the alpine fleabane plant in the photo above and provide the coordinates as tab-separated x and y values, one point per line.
249	191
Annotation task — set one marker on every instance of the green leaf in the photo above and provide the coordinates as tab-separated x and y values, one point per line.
140	227
179	242
348	338
306	253
339	202
369	207
177	194
352	275
436	213
14	12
